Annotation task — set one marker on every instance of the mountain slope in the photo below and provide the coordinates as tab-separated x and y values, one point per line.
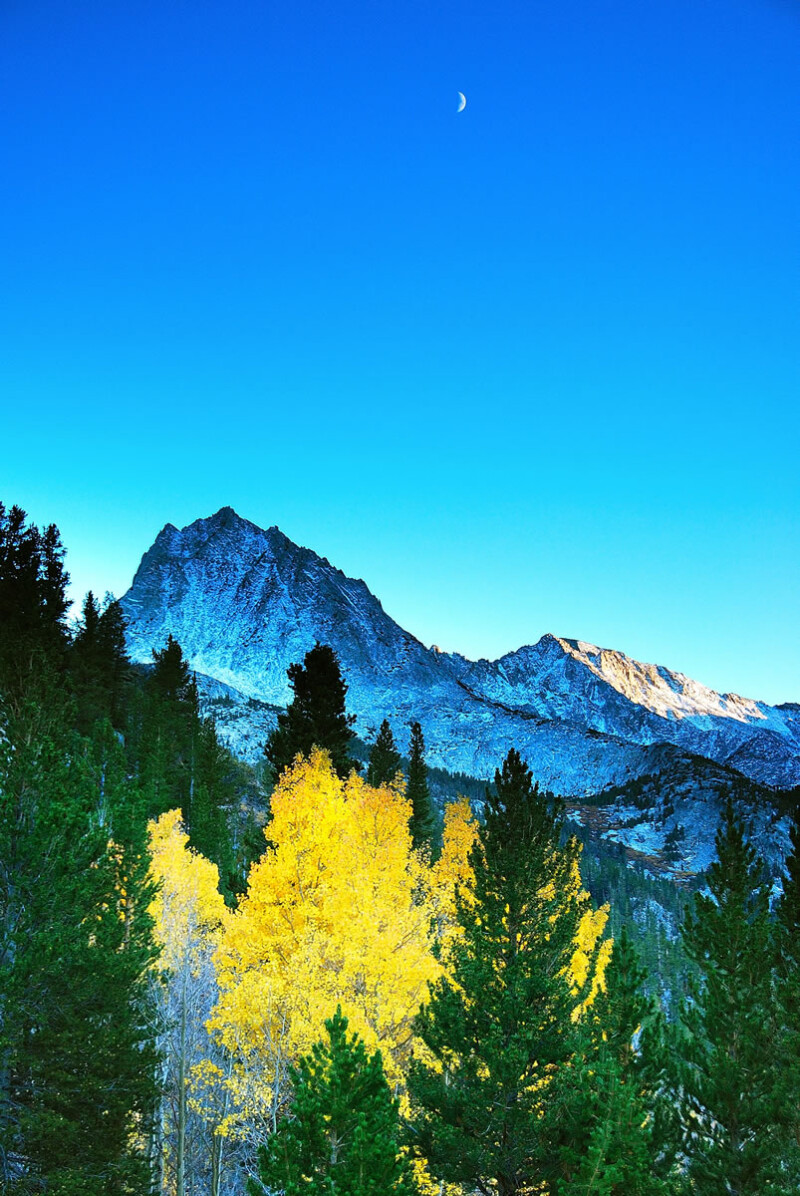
244	603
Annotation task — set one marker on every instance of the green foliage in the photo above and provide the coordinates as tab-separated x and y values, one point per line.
32	594
789	905
316	716
423	819
484	1116
99	664
77	1061
788	1002
180	762
341	1137
730	1032
651	908
608	1092
89	748
170	678
384	758
212	795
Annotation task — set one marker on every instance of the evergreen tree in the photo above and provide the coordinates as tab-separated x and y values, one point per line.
76	1049
788	1002
384	758
85	665
423	819
342	1136
500	1026
33	599
163	738
316	716
171	678
212	799
608	1147
99	663
114	657
182	764
728	1073
788	909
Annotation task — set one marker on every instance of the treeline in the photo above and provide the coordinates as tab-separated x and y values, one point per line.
363	999
90	750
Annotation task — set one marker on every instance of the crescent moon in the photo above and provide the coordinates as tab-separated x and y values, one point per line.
462	102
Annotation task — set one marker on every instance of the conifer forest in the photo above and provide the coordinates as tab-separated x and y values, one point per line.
312	977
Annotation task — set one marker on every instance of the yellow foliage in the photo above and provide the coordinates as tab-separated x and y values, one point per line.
452	870
189	917
587	954
188	909
428	1186
337	913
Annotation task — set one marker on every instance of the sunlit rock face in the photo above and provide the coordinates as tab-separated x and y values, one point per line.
244	603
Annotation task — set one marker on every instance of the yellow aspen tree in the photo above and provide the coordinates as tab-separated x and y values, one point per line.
452	871
189	915
337	912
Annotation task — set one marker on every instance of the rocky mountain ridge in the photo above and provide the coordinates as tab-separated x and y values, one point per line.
245	602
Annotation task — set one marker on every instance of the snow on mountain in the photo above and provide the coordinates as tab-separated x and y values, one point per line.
668	819
244	603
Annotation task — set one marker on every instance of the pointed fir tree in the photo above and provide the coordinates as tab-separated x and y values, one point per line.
33	599
787	953
171	677
182	764
213	797
163	739
99	664
77	1060
423	819
788	909
499	1026
316	716
608	1148
384	758
729	1045
85	665
342	1135
116	665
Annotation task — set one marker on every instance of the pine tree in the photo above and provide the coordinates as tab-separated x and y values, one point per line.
384	758
729	1046
788	1002
789	904
33	599
213	795
316	716
608	1147
99	663
342	1137
500	1026
171	677
181	762
76	1050
114	657
163	739
423	818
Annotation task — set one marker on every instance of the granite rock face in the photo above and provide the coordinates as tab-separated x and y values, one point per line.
244	603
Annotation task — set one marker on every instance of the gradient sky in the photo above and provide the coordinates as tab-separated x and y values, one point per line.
532	367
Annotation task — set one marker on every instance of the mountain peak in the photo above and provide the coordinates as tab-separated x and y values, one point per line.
244	603
225	515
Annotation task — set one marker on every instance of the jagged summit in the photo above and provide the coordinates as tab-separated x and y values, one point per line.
245	602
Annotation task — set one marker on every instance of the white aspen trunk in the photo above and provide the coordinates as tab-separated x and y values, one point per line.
180	1177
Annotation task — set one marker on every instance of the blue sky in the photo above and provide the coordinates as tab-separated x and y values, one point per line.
532	367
